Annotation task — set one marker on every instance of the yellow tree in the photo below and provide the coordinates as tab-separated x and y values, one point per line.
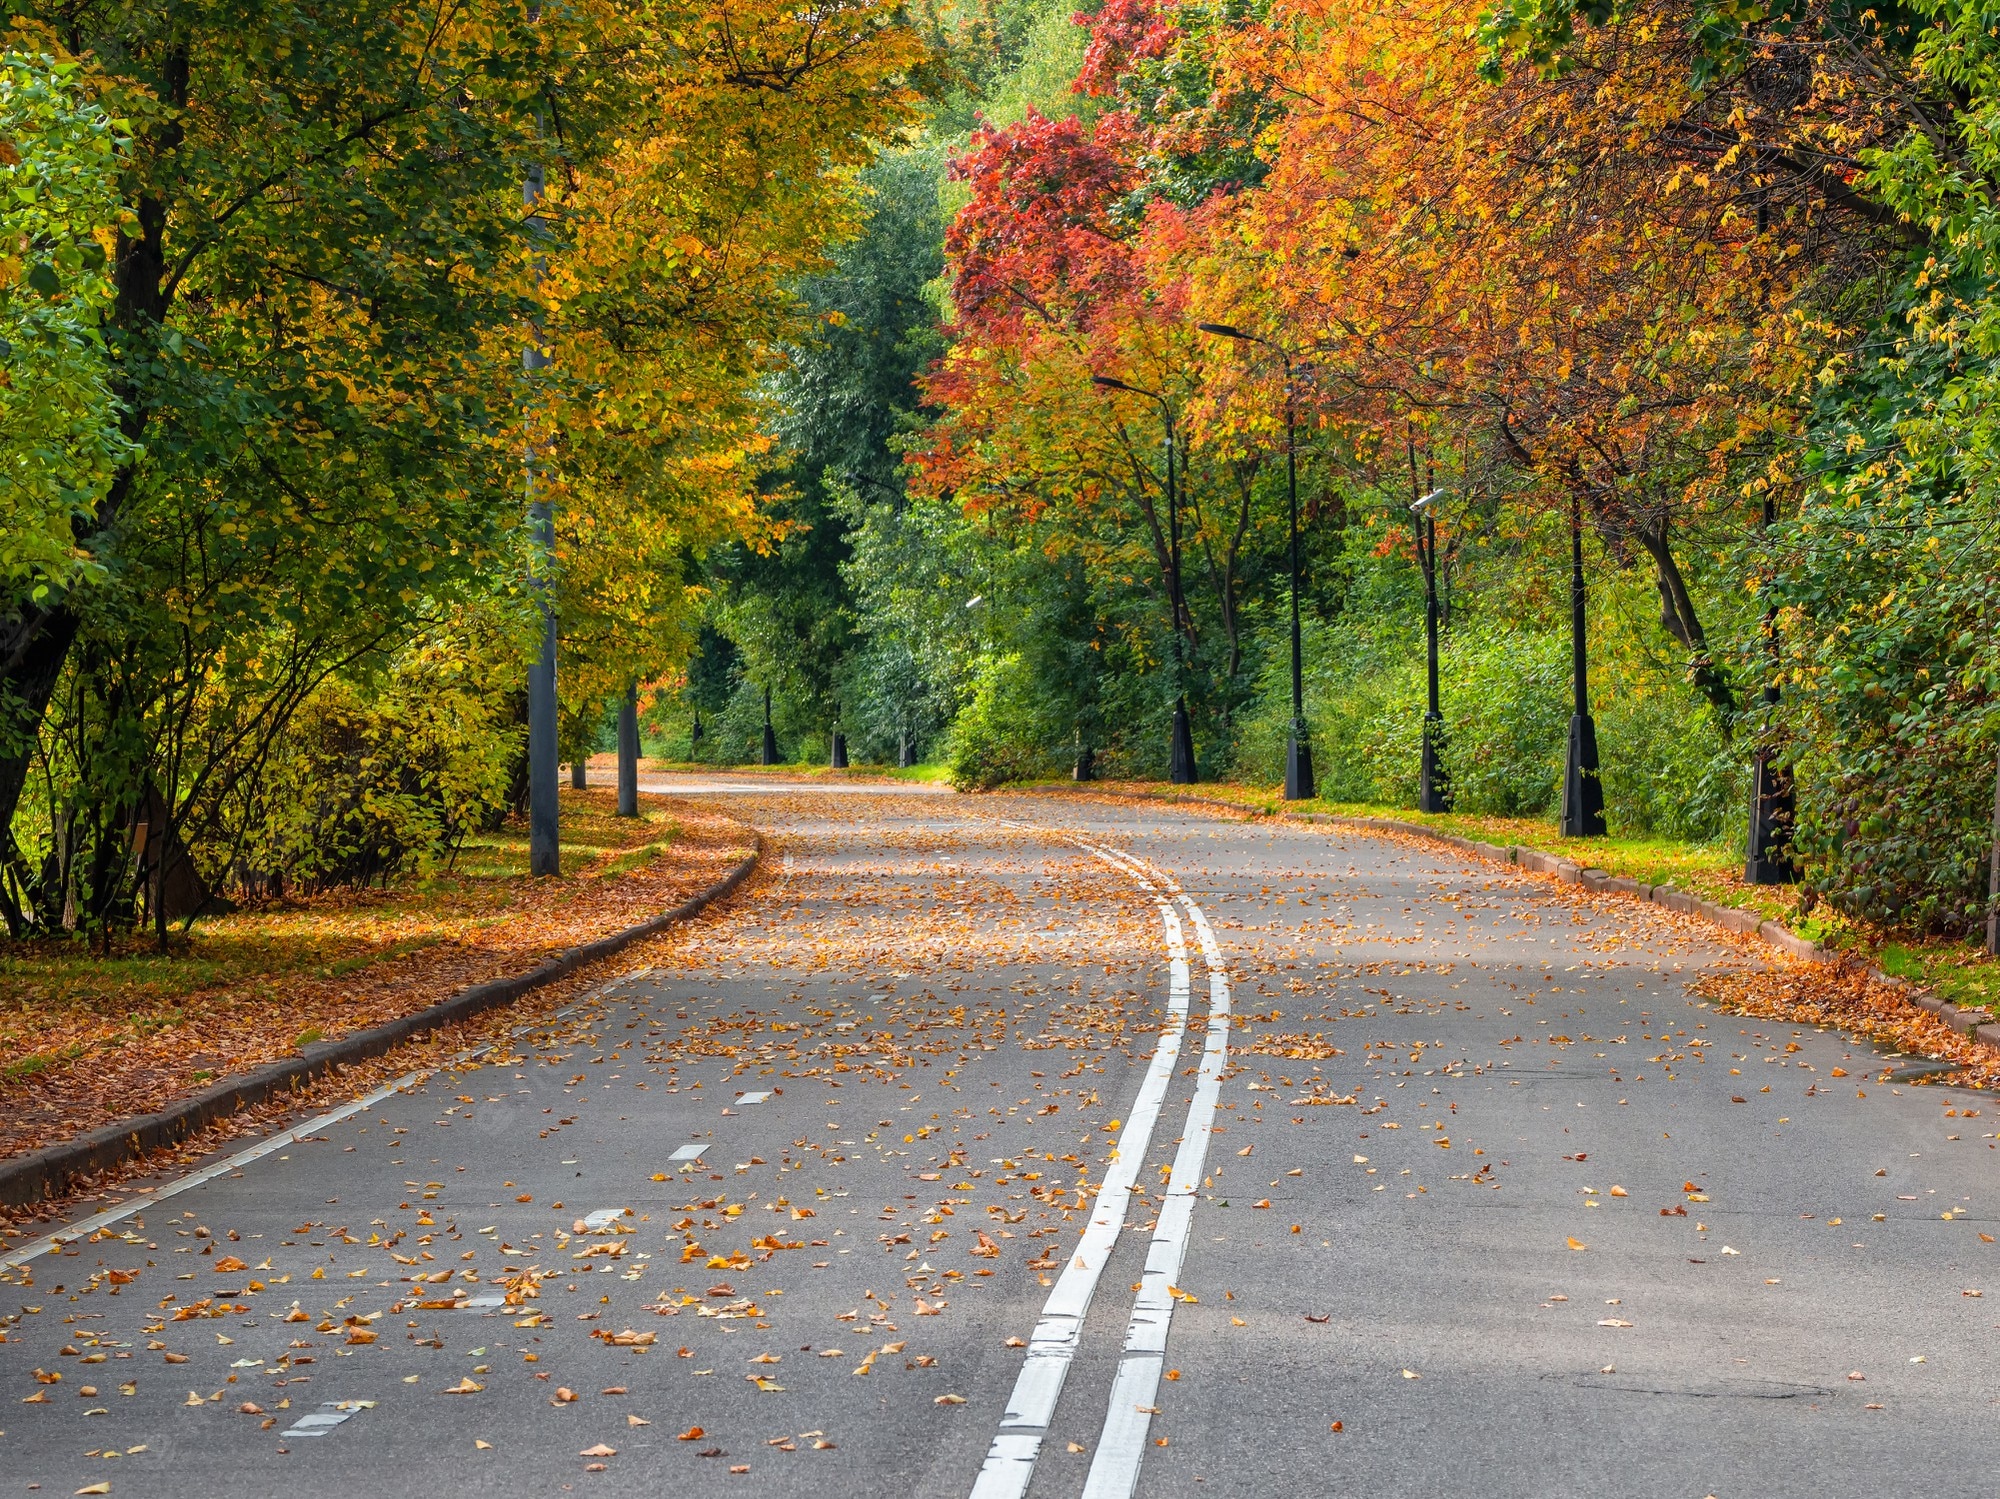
731	175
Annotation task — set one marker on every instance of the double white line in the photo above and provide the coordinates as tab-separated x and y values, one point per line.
1114	1470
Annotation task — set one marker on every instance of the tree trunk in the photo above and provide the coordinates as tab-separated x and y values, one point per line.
32	669
1678	618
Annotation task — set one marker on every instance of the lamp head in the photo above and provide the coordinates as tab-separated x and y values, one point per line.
1108	382
1224	330
1418	507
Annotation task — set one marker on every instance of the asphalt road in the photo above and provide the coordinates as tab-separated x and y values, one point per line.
1021	1145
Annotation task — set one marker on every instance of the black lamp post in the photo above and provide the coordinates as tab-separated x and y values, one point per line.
1298	745
1180	753
770	737
837	760
1434	795
1583	792
1772	805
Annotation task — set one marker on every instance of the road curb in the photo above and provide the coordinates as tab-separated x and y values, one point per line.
51	1171
1729	918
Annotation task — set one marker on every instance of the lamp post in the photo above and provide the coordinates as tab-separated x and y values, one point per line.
628	752
837	759
1772	805
1434	795
544	806
1180	752
1298	745
770	737
1583	792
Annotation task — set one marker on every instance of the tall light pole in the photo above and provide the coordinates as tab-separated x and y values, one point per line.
1583	792
770	746
544	814
1298	743
1434	795
1180	751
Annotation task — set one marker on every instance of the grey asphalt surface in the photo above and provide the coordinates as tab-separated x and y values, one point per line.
1544	1249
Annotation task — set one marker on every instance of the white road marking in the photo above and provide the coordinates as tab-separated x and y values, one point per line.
1010	1461
689	1153
1114	1469
753	1098
328	1416
75	1232
602	1217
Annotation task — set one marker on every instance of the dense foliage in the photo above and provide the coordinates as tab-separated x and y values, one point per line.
871	386
1668	266
266	283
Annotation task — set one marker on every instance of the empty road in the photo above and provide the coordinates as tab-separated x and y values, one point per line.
1023	1145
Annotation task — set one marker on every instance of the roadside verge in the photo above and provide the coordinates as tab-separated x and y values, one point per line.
1974	1023
51	1171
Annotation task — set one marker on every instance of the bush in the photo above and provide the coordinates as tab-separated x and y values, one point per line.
1002	734
374	779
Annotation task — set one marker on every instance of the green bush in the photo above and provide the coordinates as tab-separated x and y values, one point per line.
1003	733
373	779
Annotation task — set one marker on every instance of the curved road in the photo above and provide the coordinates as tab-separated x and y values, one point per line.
1045	1146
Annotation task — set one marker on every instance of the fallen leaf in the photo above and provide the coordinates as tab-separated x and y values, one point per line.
1578	1244
949	1400
692	1434
600	1450
464	1387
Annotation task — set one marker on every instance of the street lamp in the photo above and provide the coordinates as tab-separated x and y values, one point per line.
1583	791
1180	753
1298	748
1435	793
770	736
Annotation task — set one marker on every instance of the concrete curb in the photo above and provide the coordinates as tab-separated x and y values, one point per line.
51	1171
1729	918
